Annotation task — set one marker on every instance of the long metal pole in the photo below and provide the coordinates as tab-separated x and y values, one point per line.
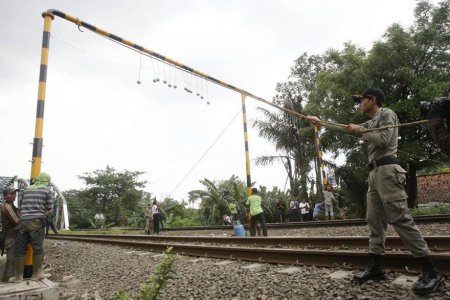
38	132
320	166
39	126
247	155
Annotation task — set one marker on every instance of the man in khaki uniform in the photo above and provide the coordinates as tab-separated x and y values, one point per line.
386	197
148	219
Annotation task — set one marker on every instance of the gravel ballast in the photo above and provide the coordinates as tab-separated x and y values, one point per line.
93	271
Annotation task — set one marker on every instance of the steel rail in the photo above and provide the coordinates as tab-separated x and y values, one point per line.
347	222
394	261
435	243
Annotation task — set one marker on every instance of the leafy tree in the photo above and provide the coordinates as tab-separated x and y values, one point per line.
81	214
116	194
215	198
410	65
293	137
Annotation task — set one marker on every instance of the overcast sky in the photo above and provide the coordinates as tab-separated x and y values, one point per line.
96	114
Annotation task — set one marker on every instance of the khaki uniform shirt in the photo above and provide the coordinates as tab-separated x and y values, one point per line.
148	213
383	142
380	143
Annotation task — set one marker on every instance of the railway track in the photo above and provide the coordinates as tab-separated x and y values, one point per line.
436	243
335	251
347	222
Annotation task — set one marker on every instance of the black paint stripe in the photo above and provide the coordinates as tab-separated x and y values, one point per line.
46	39
40	109
162	57
249	182
37	147
246	146
89	26
245	127
43	73
57	13
140	48
115	37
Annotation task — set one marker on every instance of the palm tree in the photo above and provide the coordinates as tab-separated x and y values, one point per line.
293	138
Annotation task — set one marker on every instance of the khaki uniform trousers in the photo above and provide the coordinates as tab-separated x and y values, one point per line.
386	203
148	225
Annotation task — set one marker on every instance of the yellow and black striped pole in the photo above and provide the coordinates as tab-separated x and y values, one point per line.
247	155
39	125
38	140
321	172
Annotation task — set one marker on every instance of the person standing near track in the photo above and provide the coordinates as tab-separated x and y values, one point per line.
156	216
206	213
386	197
304	210
280	209
148	215
10	218
294	215
329	199
256	213
49	224
99	219
36	201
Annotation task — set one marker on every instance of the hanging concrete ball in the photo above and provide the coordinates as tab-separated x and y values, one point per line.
138	82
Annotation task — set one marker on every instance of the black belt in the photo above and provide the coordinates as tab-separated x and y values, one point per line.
387	160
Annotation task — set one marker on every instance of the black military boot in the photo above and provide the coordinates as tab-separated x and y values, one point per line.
430	279
374	270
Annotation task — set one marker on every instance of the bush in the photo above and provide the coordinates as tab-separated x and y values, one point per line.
442	209
179	222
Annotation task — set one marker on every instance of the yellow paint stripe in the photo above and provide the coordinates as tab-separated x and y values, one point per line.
128	43
28	260
41	91
47	23
38	127
101	31
44	56
36	167
71	18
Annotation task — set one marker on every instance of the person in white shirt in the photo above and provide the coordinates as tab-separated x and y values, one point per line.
156	216
99	220
304	210
226	220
